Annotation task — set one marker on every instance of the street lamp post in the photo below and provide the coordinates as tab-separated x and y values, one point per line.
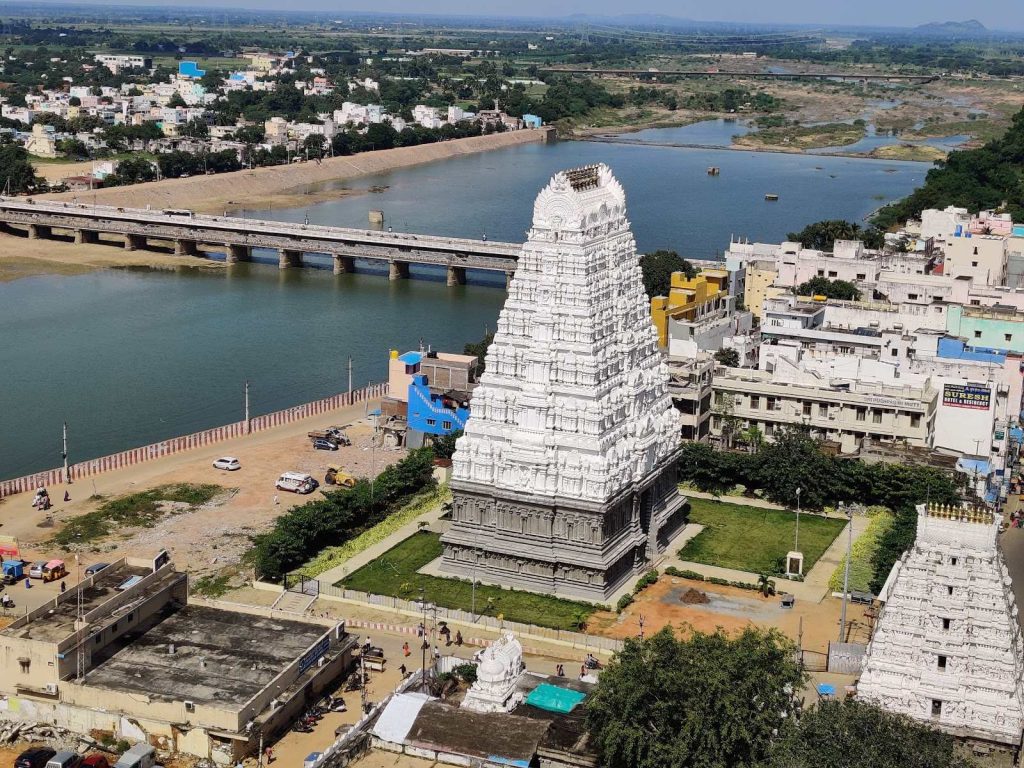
796	536
846	575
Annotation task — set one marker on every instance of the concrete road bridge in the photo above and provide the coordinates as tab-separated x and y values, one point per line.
190	233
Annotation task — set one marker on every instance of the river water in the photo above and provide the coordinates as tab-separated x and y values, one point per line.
129	357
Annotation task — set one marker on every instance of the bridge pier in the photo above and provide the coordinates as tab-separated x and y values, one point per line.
133	242
456	275
508	279
83	236
289	258
398	270
344	265
235	253
186	248
38	232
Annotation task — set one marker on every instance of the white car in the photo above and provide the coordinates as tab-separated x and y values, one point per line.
229	463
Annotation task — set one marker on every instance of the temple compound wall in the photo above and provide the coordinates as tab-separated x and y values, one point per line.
947	649
565	479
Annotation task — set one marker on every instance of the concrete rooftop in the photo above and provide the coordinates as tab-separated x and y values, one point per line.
221	658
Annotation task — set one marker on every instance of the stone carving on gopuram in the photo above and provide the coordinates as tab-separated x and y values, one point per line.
947	648
565	479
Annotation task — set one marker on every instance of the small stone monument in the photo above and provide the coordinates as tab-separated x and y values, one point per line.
794	563
497	673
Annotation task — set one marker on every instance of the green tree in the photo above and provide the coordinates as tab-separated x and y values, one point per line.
176	100
832	289
17	175
710	701
822	235
728	357
479	348
795	460
444	445
837	734
132	170
657	269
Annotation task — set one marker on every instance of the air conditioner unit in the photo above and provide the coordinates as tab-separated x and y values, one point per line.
51	688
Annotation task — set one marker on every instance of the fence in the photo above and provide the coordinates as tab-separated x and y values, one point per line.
197	439
561	636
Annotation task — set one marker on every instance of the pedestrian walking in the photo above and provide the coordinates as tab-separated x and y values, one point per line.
403	670
405	649
437	653
276	500
560	670
269	753
458	637
63	587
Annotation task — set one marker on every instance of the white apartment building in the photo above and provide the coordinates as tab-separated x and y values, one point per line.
981	258
839	410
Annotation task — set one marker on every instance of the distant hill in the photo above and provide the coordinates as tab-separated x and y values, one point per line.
969	27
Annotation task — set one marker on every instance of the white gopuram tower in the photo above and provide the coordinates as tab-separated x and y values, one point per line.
565	479
947	649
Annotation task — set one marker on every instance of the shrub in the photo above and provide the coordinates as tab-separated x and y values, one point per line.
649	578
624	602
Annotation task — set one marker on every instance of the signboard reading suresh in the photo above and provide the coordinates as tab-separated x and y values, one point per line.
967	396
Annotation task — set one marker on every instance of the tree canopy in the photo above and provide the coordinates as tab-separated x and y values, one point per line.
832	289
712	700
16	172
822	235
837	734
975	179
728	357
657	268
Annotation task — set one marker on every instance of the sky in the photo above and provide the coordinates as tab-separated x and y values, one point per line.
994	14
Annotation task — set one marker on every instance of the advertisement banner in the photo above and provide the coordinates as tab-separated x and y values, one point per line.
973	396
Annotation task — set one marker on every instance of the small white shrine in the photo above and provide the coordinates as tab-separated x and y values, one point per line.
497	673
947	648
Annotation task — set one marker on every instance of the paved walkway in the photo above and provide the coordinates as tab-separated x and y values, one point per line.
431	516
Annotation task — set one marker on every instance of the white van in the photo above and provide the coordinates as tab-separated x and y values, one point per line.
295	482
139	756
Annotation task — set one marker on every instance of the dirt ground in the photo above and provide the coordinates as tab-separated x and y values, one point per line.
290	185
213	538
732	609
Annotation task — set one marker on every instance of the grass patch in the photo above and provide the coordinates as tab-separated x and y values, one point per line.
753	539
212	586
335	556
803	136
136	510
394	574
862	569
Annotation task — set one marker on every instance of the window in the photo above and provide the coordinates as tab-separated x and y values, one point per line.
24	664
945	623
974	263
431	422
942	662
862	414
936	707
949	590
915	420
446	425
936	298
862	277
1008	336
807	408
953	561
190	706
975	252
772	404
833	274
821	273
975	302
876	416
822	410
912	296
895	353
977	334
755	402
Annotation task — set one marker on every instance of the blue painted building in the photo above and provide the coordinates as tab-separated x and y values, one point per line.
532	121
956	349
433	412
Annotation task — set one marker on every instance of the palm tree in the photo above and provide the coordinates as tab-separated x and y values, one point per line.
765	585
579	619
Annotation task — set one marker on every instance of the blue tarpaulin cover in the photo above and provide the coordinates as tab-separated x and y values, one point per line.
554	699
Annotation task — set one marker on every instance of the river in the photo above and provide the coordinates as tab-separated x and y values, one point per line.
129	357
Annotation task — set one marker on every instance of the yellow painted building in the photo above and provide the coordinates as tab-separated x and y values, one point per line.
759	286
689	300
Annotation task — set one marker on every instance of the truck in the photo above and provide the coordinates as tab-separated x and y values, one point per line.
334	435
335	476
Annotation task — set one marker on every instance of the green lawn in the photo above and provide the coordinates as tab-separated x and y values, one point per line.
394	574
753	539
